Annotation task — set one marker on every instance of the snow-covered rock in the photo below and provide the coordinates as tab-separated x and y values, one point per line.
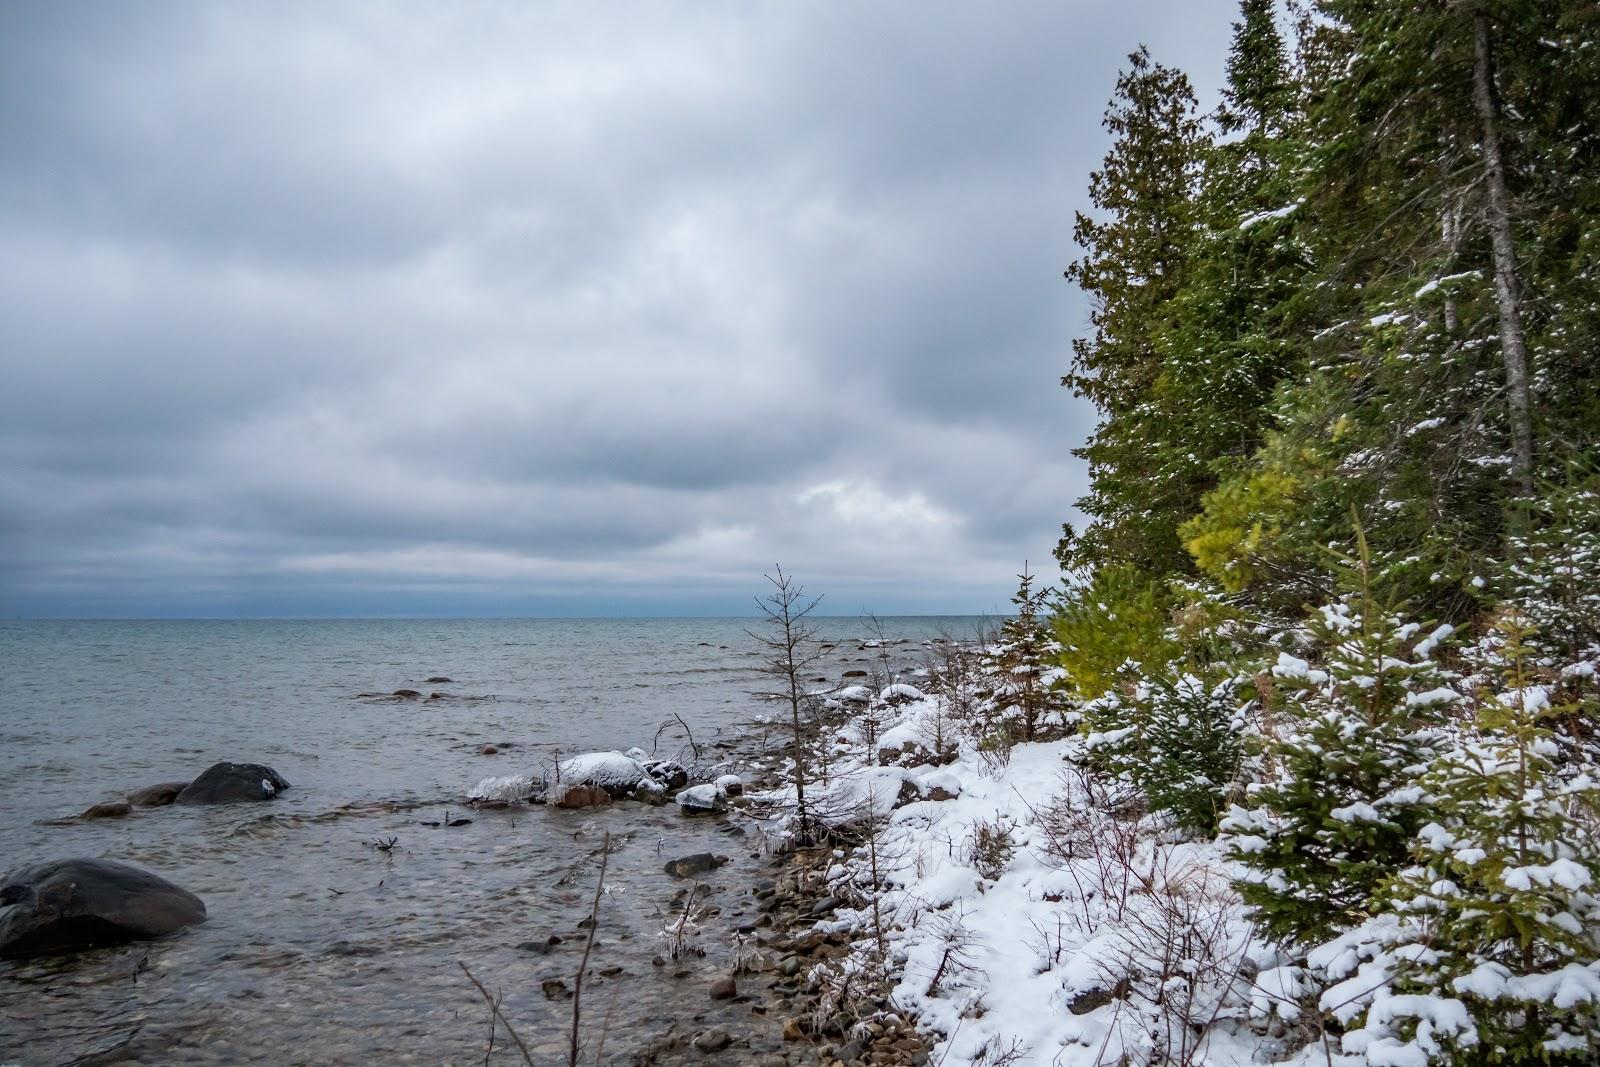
506	789
730	785
900	693
854	694
700	800
614	772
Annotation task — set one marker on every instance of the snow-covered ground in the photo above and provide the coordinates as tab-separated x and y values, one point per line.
1027	923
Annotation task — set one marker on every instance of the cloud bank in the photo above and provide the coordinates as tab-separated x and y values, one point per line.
506	309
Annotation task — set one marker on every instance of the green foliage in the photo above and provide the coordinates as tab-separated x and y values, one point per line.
1021	700
1337	805
1117	618
1178	741
1499	911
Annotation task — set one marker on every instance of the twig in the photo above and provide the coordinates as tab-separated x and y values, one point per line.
494	1007
588	946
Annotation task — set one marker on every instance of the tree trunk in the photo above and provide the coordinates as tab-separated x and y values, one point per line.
1507	290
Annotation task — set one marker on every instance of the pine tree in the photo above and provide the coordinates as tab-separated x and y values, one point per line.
1488	948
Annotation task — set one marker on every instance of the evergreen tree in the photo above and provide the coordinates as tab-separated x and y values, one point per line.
1339	805
1135	264
1177	740
1488	948
1022	698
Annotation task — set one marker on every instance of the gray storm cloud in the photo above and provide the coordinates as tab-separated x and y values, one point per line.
494	308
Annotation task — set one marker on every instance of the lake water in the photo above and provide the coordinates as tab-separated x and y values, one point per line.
320	948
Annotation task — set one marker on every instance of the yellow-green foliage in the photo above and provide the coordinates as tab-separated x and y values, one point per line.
1117	617
1244	518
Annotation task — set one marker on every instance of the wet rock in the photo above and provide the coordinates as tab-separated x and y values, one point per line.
699	863
824	906
405	694
75	904
582	796
711	1041
542	947
158	795
229	783
438	679
854	674
555	989
724	988
488	750
794	1029
111	809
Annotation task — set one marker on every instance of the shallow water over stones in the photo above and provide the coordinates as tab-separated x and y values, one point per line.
321	947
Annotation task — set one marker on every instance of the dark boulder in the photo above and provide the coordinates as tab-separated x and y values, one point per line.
699	863
405	694
158	795
76	904
437	679
229	783
111	809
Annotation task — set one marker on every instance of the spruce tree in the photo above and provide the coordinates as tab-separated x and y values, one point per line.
1338	805
1488	949
1021	698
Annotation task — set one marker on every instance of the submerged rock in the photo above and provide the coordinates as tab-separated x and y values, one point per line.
111	809
405	694
156	796
75	904
232	783
437	679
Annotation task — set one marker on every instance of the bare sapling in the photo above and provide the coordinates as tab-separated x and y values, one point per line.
790	640
588	947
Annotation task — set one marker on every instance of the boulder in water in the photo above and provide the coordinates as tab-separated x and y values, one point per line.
511	789
580	796
700	800
614	772
111	809
158	795
75	904
670	773
699	863
231	783
405	694
437	679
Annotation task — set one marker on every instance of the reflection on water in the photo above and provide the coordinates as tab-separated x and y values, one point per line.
320	947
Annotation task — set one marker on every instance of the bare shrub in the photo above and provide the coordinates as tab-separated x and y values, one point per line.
990	847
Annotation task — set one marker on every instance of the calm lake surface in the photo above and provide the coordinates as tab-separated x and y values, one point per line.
319	947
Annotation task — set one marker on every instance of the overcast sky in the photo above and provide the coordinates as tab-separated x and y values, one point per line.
539	308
